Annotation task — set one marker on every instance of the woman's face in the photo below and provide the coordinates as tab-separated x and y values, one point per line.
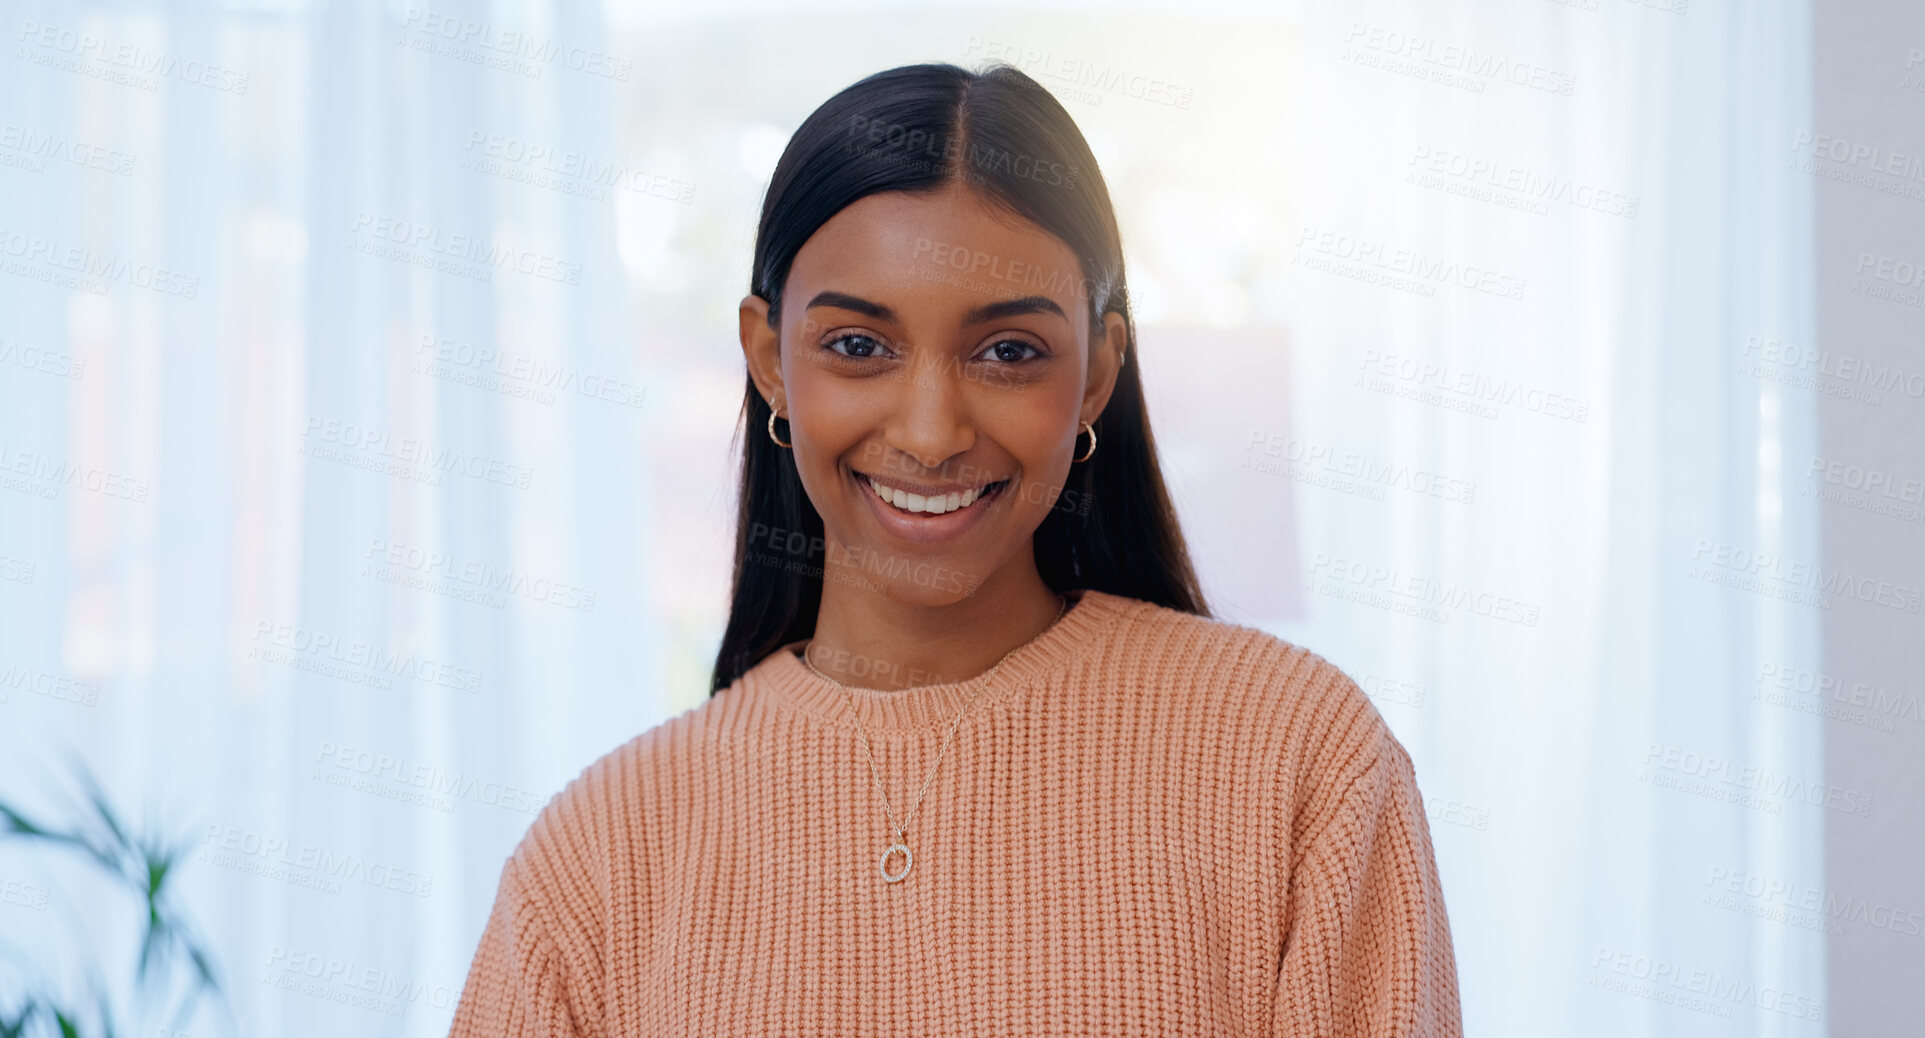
935	349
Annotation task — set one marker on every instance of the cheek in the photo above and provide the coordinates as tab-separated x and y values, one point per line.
1039	445
1034	426
818	455
824	432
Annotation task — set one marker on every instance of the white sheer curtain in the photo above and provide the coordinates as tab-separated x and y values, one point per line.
1648	226
367	472
388	585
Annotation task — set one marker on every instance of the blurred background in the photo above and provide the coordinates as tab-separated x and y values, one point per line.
369	379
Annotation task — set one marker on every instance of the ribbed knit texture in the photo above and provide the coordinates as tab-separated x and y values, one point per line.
1148	823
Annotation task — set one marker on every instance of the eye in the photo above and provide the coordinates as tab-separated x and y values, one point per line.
861	347
1009	351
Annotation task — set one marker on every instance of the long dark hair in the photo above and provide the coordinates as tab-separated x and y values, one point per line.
916	128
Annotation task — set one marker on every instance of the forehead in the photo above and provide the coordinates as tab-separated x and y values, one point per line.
949	249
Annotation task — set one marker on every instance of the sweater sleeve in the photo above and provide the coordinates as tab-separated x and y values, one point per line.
517	986
1367	950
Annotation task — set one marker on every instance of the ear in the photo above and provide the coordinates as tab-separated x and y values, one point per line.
761	346
1106	358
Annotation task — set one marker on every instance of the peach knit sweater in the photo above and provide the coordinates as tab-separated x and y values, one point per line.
1148	823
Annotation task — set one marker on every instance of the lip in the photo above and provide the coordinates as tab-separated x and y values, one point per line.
924	528
926	489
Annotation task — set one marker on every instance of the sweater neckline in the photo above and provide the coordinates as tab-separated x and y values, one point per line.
927	706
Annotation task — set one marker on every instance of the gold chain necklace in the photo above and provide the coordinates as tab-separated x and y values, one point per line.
902	828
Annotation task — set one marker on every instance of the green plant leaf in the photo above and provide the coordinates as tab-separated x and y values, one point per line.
16	1026
157	865
17	823
142	863
99	800
203	968
106	1017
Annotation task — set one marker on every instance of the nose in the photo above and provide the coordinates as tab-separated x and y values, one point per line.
932	421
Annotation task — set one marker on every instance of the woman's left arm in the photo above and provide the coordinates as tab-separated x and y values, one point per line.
1367	946
518	985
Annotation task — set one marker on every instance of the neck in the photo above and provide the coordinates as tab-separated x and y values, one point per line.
868	639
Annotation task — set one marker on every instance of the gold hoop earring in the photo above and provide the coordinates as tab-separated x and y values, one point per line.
1092	442
772	435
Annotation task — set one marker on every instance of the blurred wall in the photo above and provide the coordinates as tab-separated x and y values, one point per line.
1865	150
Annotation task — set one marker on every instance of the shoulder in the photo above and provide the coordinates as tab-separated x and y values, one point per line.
588	831
1304	716
1221	658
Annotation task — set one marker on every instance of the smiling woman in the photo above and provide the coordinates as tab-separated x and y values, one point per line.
905	393
963	327
955	535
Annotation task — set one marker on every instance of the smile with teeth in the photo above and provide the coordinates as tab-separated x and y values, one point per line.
920	505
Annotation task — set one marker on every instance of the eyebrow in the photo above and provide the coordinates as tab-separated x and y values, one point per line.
986	312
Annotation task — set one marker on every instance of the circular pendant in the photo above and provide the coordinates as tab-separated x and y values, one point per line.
908	860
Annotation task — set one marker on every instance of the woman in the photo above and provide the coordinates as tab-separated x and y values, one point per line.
976	758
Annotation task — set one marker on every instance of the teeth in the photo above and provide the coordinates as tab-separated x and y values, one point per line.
927	505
